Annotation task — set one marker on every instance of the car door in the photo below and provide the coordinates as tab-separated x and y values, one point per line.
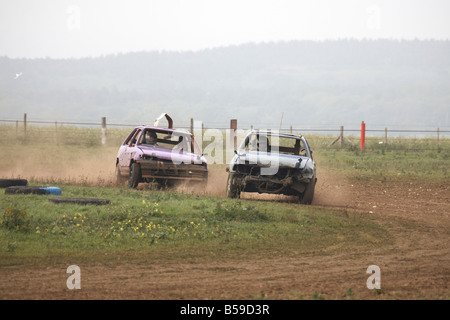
128	150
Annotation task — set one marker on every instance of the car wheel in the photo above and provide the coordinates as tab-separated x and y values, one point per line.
307	196
233	189
169	184
135	175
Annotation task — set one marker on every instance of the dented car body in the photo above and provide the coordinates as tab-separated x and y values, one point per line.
276	163
162	155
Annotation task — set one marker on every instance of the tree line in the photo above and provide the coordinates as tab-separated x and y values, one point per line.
312	83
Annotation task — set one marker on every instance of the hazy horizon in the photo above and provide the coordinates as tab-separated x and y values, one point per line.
385	83
80	28
382	83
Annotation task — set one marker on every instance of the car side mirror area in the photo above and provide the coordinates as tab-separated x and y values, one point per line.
132	143
239	154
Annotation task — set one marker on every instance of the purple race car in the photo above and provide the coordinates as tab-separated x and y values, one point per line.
162	155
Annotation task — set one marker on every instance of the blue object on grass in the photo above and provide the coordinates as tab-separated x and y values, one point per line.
52	190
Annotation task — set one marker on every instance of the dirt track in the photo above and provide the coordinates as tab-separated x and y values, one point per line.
415	266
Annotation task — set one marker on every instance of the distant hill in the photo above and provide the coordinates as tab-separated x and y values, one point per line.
383	82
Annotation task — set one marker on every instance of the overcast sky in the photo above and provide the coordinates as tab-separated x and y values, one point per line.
80	28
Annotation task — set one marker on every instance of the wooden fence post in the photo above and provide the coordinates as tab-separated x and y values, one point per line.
25	125
103	130
438	139
56	132
340	137
233	137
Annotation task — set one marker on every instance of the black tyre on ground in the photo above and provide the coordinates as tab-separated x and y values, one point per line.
233	188
5	183
25	190
308	196
135	175
82	201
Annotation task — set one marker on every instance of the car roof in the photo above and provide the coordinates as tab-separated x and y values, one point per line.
162	129
276	133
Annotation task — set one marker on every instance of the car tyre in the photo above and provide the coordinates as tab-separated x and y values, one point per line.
82	201
308	195
25	190
233	189
135	175
5	183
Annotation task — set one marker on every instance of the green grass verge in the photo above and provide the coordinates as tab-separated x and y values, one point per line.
386	165
169	225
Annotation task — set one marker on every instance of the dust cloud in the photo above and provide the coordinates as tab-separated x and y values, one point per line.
82	167
61	166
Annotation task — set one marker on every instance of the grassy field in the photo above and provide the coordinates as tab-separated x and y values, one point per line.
193	226
150	225
426	165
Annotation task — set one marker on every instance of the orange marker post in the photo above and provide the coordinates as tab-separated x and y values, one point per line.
363	135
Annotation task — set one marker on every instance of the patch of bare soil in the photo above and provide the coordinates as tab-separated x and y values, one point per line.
415	266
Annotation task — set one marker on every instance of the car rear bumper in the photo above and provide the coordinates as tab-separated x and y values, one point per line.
157	169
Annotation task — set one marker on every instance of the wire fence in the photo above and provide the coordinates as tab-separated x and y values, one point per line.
102	133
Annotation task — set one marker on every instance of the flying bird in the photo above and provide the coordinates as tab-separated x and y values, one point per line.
17	75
